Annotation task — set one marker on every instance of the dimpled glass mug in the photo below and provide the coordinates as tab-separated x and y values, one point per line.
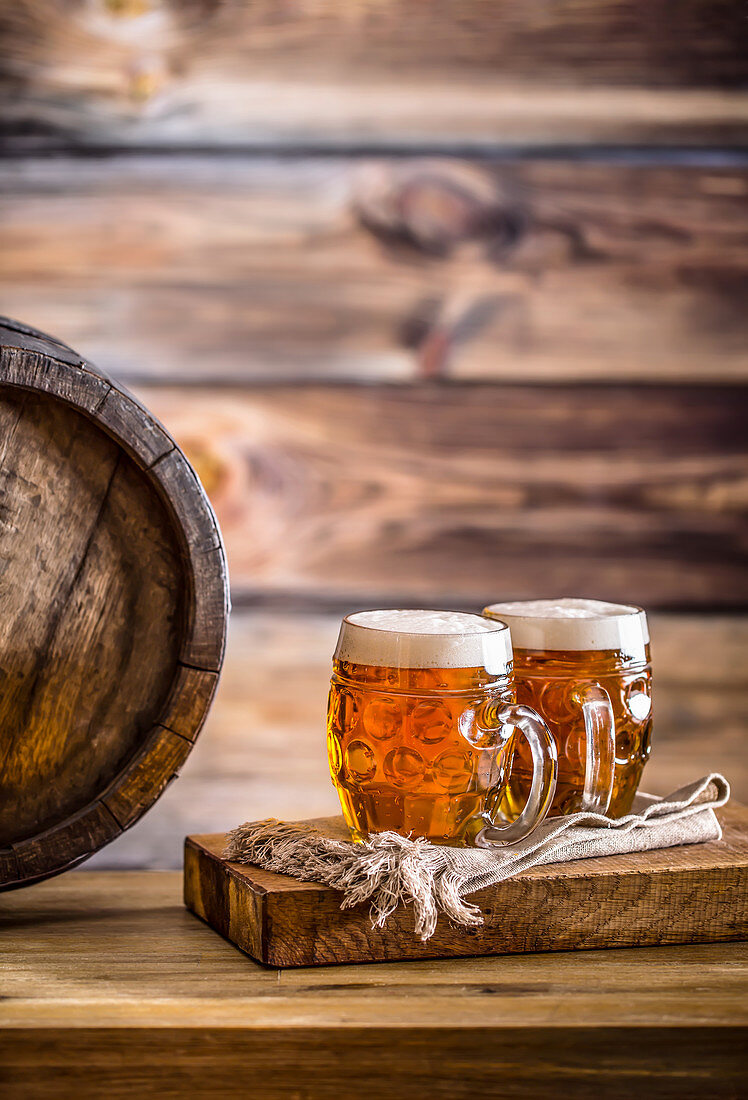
585	666
421	727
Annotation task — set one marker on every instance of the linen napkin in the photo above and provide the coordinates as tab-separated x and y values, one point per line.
389	870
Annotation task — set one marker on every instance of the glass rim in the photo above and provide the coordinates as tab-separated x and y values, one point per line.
624	610
497	625
613	626
478	642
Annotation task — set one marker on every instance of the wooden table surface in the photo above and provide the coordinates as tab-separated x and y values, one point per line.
110	987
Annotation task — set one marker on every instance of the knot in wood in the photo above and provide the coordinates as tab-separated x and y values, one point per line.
433	207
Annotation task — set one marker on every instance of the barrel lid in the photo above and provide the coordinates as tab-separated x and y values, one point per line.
113	607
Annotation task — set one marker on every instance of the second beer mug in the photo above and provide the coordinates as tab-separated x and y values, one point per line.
584	665
421	728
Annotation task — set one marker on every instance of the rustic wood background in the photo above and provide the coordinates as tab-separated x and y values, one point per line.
445	302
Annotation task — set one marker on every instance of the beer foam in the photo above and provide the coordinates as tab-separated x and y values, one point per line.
573	624
424	639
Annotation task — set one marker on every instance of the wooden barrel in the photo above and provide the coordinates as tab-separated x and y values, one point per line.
113	607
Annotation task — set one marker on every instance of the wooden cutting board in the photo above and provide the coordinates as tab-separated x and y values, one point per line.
696	893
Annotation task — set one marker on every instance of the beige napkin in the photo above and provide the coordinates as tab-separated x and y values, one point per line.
390	870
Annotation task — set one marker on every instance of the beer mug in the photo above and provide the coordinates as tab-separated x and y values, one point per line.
421	725
585	666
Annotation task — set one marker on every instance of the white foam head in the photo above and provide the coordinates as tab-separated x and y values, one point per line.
424	639
574	624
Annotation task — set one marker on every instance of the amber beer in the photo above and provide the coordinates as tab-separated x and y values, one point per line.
584	665
417	732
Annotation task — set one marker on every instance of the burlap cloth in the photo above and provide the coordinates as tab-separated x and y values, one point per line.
391	870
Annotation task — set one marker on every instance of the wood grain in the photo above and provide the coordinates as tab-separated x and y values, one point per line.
697	893
76	596
262	753
167	969
165	73
102	600
318	1063
109	983
191	268
451	494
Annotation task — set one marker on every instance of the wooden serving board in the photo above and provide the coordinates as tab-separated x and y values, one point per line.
696	893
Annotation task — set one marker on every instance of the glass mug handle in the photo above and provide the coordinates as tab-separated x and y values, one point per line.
544	774
600	738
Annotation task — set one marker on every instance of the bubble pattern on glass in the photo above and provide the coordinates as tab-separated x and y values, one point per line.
548	682
407	758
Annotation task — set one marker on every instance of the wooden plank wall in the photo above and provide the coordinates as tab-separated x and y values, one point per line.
446	303
240	268
377	73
